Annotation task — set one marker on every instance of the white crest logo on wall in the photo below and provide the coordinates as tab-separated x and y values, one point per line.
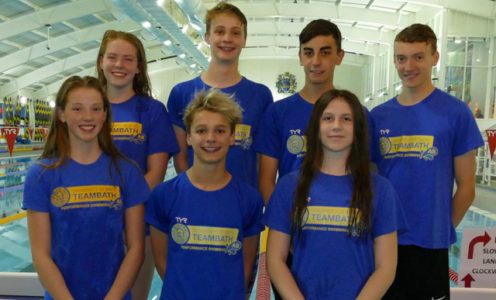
286	83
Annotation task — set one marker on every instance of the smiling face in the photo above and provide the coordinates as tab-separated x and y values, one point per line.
319	56
210	136
414	62
336	128
84	115
120	64
226	38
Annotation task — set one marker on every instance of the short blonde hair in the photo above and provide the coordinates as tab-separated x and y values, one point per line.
213	100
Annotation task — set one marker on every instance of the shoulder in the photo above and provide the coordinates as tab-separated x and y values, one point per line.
449	103
390	104
257	86
186	85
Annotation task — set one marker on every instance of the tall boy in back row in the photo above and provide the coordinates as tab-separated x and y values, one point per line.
425	139
226	29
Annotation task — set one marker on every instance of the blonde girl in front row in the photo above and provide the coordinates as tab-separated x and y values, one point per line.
80	198
338	217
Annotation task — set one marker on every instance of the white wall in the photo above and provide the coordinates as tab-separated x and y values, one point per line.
264	71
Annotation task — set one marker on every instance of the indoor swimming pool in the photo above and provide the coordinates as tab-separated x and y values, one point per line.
15	253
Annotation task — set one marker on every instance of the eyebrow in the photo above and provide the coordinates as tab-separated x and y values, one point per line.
323	48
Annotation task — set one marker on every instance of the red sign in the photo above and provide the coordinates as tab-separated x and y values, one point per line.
10	134
31	132
491	140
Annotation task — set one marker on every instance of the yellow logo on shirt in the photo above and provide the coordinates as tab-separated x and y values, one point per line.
206	238
421	146
131	131
242	134
87	196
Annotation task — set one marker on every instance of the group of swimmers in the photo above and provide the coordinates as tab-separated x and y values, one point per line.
337	228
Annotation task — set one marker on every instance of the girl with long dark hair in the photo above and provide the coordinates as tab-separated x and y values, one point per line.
338	218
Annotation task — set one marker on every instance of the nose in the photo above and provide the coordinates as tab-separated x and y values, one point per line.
210	136
316	59
87	115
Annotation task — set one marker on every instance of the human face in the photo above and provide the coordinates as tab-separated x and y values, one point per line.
336	128
119	64
226	38
84	115
210	136
414	62
319	57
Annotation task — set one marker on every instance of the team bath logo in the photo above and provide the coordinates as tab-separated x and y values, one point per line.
286	83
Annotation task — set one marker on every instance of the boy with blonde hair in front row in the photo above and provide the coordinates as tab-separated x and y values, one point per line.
205	223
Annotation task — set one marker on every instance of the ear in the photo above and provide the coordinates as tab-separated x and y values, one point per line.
436	58
232	138
340	57
188	139
60	115
207	38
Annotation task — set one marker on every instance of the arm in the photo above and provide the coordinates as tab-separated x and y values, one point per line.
156	164
385	259
267	176
465	185
181	158
135	237
250	247
39	228
281	277
160	243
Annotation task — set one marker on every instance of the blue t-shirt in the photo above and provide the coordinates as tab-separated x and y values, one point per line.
141	127
87	208
282	132
253	98
206	231
415	148
327	262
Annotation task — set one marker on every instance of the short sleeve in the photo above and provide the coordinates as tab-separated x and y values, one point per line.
268	139
161	134
36	189
388	215
252	223
175	107
135	189
156	214
467	134
278	211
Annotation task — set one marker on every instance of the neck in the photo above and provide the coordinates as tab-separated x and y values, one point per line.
208	177
412	96
85	154
119	95
312	92
221	75
334	163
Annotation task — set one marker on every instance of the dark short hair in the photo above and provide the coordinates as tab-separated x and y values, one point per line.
321	27
418	33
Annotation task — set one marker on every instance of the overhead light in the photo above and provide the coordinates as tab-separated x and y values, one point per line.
185	29
160	2
52	104
457	41
23	100
182	55
398	87
368	99
192	66
382	94
146	24
167	43
195	26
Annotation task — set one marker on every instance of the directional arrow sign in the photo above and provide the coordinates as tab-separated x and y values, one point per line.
468	280
479	239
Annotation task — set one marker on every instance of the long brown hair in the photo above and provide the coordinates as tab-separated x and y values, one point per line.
357	165
57	144
141	81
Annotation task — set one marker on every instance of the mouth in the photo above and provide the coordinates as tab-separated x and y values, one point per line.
226	49
119	74
317	72
410	76
87	128
211	149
